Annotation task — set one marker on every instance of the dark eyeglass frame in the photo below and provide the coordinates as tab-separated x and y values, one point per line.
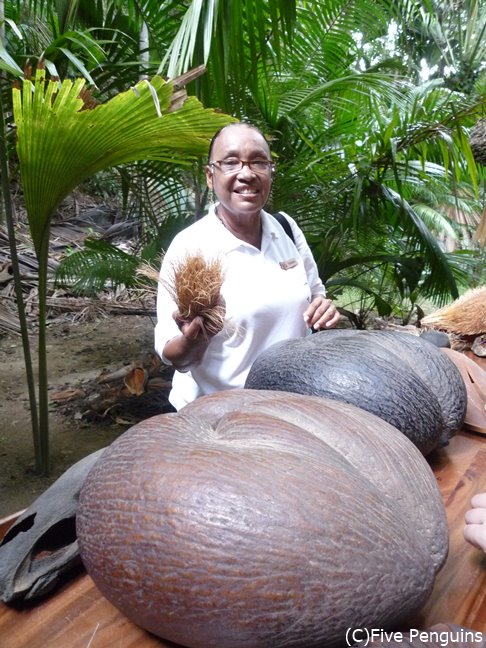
269	166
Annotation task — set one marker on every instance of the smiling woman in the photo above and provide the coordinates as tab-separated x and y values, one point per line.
271	289
240	172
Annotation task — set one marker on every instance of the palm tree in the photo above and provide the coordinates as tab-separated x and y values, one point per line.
64	136
446	40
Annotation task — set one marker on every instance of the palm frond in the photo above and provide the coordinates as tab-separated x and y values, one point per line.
443	281
98	266
8	64
60	142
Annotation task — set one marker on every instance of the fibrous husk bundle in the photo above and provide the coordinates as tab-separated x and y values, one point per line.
196	288
465	316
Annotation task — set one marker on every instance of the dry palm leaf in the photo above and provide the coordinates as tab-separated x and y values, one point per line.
136	380
475	380
146	270
465	316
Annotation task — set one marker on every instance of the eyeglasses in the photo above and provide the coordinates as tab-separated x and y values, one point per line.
233	165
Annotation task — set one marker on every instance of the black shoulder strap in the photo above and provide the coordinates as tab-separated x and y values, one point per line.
285	224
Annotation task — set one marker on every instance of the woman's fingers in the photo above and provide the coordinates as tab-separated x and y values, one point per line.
322	313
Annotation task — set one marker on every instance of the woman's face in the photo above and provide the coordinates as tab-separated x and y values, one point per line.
243	192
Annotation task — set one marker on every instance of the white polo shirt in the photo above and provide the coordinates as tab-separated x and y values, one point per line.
266	293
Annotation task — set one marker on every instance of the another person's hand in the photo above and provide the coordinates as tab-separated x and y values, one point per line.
321	314
475	529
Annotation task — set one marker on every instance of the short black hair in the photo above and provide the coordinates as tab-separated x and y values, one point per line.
220	130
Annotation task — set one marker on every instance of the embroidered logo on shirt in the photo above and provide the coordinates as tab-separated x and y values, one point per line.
290	263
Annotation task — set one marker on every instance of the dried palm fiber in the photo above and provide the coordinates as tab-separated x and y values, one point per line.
477	141
475	380
148	271
195	286
465	316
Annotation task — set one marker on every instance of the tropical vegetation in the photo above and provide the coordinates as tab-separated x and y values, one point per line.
368	106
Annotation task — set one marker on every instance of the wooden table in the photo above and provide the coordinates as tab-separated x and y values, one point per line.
77	615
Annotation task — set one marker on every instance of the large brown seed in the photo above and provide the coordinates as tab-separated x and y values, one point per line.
257	519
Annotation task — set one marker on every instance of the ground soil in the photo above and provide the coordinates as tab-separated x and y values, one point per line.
77	354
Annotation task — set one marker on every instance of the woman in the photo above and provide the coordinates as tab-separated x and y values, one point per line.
271	286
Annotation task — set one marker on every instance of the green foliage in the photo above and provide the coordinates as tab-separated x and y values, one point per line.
373	155
231	39
163	198
63	139
361	144
98	266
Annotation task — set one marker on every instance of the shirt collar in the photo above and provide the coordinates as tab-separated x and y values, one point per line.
270	230
229	242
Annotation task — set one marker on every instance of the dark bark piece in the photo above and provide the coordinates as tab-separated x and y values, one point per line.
42	546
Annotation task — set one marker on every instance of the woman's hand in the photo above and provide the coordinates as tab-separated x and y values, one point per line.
189	347
191	329
321	314
475	529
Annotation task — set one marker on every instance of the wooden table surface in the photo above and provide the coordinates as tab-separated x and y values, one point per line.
77	616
